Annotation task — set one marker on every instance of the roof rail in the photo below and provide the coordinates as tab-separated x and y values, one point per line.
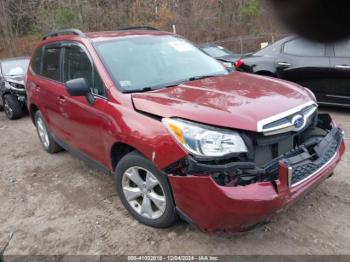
139	27
64	32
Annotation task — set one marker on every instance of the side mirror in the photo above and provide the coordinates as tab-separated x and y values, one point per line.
77	87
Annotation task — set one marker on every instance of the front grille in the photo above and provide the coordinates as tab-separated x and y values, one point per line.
268	148
306	111
286	124
304	171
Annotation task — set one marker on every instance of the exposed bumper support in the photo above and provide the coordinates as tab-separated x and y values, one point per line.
216	208
302	167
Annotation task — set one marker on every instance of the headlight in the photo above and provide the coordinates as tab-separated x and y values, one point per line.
204	140
17	86
227	64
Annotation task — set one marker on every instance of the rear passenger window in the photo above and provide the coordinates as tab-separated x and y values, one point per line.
51	63
78	65
302	47
36	61
342	49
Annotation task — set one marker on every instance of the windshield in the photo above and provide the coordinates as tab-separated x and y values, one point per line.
155	61
216	51
271	50
14	67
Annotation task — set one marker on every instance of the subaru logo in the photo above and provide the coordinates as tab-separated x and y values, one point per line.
298	121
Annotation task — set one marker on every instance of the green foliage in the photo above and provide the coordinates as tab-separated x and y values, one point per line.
65	17
48	19
250	9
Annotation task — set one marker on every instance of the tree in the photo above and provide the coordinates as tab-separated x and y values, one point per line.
198	20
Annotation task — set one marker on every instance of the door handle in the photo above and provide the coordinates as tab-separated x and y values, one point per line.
34	86
61	99
284	64
343	66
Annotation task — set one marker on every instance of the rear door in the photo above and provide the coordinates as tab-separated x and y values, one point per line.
84	123
50	88
340	70
306	63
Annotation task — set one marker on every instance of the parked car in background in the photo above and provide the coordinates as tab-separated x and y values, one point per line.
182	136
12	91
323	68
220	53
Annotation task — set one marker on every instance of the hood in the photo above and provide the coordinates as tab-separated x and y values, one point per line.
237	101
18	79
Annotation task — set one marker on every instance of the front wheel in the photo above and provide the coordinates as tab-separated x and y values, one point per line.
145	191
12	107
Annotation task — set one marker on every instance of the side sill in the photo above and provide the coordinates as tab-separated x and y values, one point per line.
78	154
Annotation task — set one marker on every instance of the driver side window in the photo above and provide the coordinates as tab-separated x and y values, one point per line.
77	64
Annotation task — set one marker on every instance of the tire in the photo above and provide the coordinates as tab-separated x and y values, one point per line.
45	137
1	104
160	214
12	107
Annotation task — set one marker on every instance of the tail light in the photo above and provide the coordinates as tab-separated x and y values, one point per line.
239	63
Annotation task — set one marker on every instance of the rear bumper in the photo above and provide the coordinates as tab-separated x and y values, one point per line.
216	208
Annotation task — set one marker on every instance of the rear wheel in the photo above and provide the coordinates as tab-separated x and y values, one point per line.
12	107
46	139
144	191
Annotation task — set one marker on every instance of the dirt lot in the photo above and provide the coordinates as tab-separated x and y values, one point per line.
56	204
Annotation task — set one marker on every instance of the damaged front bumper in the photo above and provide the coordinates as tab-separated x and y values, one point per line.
231	207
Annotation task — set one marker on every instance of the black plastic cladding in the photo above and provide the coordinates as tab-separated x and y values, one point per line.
325	150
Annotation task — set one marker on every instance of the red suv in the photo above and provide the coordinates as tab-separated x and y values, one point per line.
182	136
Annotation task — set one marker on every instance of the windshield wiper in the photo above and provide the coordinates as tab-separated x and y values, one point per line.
141	90
180	82
167	85
203	77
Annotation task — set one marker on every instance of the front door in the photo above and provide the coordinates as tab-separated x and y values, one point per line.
85	122
340	70
305	63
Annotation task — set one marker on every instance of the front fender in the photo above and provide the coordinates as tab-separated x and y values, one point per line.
144	133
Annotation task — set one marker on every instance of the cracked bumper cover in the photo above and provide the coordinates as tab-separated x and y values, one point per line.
215	208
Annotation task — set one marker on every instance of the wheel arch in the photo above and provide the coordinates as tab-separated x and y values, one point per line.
32	110
5	93
118	151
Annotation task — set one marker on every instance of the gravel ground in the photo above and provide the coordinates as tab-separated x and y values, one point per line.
56	204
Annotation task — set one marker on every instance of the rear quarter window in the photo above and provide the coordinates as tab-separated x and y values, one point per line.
36	61
51	62
271	50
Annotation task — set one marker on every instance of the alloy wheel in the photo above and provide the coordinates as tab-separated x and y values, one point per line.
8	109
43	134
144	192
